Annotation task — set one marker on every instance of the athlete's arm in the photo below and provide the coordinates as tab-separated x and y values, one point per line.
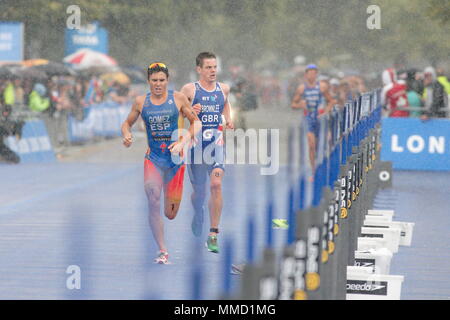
227	107
188	90
297	101
188	112
330	100
130	120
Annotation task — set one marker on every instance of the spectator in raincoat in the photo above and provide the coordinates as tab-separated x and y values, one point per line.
38	100
434	96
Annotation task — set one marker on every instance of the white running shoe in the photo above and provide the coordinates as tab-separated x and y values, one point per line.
162	258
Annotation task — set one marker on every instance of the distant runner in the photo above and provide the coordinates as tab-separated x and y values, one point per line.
307	97
162	112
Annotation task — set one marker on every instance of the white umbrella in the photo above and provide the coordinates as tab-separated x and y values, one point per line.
87	58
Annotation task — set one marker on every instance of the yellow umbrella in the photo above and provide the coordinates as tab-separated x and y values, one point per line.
119	77
34	62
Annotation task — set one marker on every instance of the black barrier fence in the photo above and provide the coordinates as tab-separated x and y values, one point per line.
322	235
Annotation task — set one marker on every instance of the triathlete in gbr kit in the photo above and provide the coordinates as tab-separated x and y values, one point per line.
209	99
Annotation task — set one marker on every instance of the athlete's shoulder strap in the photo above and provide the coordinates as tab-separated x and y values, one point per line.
147	99
171	97
197	86
219	88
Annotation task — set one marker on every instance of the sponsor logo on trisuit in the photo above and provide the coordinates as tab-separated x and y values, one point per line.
378	288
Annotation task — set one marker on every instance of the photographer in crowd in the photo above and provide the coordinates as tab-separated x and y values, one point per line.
435	98
8	127
245	99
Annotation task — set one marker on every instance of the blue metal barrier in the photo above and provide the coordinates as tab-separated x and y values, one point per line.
227	261
251	240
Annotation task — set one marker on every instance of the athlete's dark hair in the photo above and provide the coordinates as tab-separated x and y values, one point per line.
157	67
202	56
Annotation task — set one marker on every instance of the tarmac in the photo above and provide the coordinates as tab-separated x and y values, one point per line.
89	210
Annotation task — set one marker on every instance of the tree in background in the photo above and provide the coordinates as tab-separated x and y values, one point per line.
266	33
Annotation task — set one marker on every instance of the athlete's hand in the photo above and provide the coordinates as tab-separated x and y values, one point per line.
127	140
176	148
229	125
303	104
197	108
321	115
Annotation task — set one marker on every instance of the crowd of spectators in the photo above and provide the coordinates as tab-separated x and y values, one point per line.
60	93
273	90
406	93
343	88
415	93
53	98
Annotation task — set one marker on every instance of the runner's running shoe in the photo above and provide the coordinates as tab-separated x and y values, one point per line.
162	258
212	245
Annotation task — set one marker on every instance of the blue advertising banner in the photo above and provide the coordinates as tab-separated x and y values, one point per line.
34	145
101	120
413	144
11	41
90	36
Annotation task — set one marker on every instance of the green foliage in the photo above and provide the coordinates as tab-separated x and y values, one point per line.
255	32
440	10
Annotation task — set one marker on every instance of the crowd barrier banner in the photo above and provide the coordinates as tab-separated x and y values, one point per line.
413	144
100	120
34	145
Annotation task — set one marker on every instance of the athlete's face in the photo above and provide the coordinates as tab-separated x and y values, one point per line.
208	71
158	83
311	75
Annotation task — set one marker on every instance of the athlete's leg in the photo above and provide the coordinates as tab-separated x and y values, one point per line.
153	185
215	202
312	150
173	191
197	175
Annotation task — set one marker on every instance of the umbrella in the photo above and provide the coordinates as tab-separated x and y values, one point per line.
34	62
54	69
29	73
96	71
5	73
135	75
119	77
86	58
